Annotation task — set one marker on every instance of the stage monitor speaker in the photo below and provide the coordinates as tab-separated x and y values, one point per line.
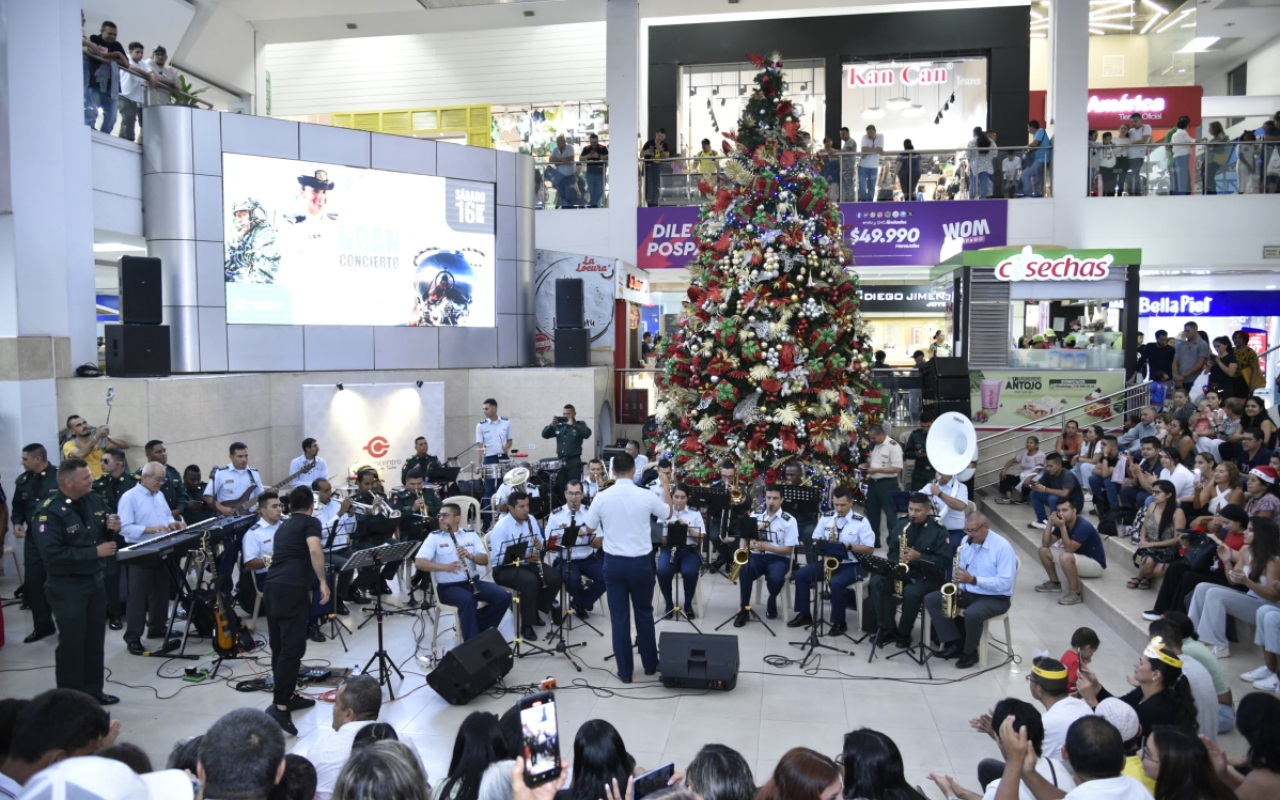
698	661
569	303
140	299
137	351
573	347
472	667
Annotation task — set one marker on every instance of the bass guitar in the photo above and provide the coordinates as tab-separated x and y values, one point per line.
244	504
230	638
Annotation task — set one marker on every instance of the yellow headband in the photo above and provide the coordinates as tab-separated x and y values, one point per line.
1053	675
1156	650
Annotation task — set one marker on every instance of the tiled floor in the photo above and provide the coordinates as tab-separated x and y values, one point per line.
771	710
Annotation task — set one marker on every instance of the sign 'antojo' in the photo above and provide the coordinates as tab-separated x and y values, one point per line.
1028	266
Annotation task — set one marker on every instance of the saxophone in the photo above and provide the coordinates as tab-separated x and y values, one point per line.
830	564
951	590
902	567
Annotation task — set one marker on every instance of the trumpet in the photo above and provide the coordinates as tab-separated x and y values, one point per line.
951	590
378	508
736	495
426	512
740	559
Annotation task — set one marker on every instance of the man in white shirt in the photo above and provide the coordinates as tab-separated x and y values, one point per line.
987	570
501	498
562	157
455	556
225	487
851	534
335	518
145	514
583	559
257	549
950	500
872	147
537	586
1049	688
355	705
1139	137
133	92
1050	766
621	515
165	75
594	482
1095	752
493	440
309	466
640	459
770	556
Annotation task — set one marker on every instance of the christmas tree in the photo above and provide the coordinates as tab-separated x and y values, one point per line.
770	362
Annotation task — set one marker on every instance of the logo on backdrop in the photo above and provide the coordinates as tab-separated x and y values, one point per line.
377	447
1028	266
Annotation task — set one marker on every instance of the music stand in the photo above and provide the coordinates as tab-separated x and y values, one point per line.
444	476
886	569
821	588
568	539
748	529
336	626
801	501
680	532
376	557
513	556
925	652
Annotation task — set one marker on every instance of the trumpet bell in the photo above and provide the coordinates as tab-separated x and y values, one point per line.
516	476
952	443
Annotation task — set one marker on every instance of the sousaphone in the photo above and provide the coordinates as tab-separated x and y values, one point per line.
952	445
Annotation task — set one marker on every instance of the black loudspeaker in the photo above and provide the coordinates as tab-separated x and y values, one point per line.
698	661
964	407
573	347
140	291
470	668
569	303
950	367
137	351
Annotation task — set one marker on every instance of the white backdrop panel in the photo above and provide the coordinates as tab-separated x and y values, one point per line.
372	423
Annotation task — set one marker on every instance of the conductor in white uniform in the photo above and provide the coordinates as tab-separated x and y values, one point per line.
621	515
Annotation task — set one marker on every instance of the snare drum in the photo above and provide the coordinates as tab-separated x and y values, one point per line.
493	471
551	464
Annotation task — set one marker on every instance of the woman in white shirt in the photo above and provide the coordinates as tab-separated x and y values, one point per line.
1173	470
1030	462
1089	455
1180	172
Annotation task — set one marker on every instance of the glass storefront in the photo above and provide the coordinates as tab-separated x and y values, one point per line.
934	103
533	127
712	97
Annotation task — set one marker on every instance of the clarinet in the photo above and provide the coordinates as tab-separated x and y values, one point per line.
475	590
532	543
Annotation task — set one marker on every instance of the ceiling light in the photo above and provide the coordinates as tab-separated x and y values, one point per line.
1039	36
1110	16
1150	22
418	384
898	103
913	110
1036	15
1097	31
1187	25
1200	44
1156	6
873	112
108	247
340	387
1112	25
1270	286
1169	23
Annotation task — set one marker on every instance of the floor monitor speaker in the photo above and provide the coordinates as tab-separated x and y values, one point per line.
698	661
137	351
469	669
569	303
140	299
573	347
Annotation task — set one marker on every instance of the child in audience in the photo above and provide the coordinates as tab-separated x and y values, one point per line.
1084	644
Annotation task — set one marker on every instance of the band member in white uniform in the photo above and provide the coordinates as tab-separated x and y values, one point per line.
621	515
493	440
851	530
500	497
582	559
257	544
687	562
537	585
950	500
328	511
310	452
225	485
641	461
988	568
593	484
457	571
770	555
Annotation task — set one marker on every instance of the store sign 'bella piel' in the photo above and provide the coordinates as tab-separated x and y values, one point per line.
1027	266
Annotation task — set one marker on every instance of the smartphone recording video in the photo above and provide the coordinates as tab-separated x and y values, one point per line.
653	780
541	736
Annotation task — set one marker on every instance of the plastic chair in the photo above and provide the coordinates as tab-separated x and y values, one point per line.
9	550
784	610
984	642
468	505
257	601
441	606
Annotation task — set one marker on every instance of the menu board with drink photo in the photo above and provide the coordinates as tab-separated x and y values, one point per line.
1009	398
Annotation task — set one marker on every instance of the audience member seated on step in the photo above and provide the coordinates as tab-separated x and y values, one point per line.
298	781
1178	437
1050	766
1161	694
600	758
1095	753
1084	646
1195	673
1070	541
1220	486
718	772
1267	636
1053	484
1257	776
1254	576
1253	453
1140	477
1173	470
1125	719
1091	450
1223	439
386	770
1158	539
1182	577
1102	480
1179	764
873	767
802	774
1193	648
1029	462
1262	493
478	744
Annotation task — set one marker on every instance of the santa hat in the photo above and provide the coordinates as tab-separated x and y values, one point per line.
1264	473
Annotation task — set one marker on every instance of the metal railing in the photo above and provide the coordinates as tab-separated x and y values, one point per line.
899	175
1204	167
996	449
105	113
581	184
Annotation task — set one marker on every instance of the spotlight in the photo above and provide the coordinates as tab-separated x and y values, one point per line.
418	384
946	106
341	387
693	91
953	97
715	90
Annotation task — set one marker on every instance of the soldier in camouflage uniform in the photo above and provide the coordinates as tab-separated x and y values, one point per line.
110	487
252	257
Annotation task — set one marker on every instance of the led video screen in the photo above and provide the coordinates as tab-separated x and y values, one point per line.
323	244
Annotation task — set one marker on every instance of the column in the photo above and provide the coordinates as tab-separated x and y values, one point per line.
622	85
1066	107
47	298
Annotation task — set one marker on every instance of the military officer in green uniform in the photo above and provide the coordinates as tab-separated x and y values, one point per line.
33	487
927	544
74	534
569	434
923	473
174	489
415	502
421	460
115	481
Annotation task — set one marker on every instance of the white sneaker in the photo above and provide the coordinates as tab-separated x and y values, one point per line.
1221	652
1271	684
1256	674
